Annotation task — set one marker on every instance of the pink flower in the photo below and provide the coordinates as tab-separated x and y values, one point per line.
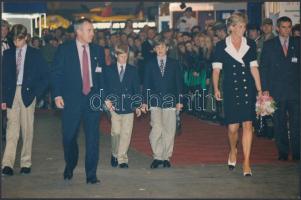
265	105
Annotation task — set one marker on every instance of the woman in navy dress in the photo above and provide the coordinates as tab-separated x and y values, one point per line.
236	56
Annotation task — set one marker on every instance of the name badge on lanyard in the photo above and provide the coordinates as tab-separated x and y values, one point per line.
294	59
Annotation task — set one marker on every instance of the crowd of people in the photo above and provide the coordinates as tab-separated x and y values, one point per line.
208	92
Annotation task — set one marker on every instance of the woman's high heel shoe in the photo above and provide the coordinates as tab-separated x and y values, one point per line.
231	165
249	173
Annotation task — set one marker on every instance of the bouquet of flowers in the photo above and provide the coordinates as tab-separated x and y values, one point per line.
265	105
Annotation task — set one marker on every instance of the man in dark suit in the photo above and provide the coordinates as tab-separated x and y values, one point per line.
76	78
123	89
6	43
162	90
24	80
280	72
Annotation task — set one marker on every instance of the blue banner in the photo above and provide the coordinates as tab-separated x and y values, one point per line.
29	7
254	13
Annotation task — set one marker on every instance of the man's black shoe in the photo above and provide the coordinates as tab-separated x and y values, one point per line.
123	165
68	174
7	171
166	164
283	157
114	161
25	170
93	181
156	163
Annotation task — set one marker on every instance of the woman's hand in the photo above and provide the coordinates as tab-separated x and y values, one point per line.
259	93
266	93
217	95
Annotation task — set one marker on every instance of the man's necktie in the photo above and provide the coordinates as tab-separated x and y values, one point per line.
284	46
18	62
121	73
162	67
86	73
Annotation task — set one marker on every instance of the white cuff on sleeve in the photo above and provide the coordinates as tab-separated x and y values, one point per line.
254	63
217	65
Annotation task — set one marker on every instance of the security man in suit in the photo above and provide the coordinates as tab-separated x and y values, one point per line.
76	79
280	71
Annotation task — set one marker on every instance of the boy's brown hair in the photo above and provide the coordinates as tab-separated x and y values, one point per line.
18	31
121	49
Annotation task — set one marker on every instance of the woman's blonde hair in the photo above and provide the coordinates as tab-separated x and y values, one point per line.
208	48
235	18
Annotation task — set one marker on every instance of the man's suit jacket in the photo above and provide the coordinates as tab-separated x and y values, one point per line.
66	74
280	75
129	88
167	89
35	77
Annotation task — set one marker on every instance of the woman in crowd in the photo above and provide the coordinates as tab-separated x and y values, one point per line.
211	112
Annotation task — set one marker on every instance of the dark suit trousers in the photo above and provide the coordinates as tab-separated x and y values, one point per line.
287	116
71	123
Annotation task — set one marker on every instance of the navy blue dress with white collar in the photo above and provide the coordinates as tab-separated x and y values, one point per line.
238	85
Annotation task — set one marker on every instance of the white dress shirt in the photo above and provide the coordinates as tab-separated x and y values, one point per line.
21	67
119	67
162	58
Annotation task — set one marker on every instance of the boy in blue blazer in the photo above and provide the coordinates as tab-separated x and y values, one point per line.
123	90
162	91
24	81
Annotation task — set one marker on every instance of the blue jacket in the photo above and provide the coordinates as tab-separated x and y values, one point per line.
66	75
280	75
166	91
35	77
125	95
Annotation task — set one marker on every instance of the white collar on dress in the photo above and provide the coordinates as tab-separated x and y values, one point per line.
237	55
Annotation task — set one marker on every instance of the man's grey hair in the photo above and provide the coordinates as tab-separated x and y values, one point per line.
80	22
4	23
